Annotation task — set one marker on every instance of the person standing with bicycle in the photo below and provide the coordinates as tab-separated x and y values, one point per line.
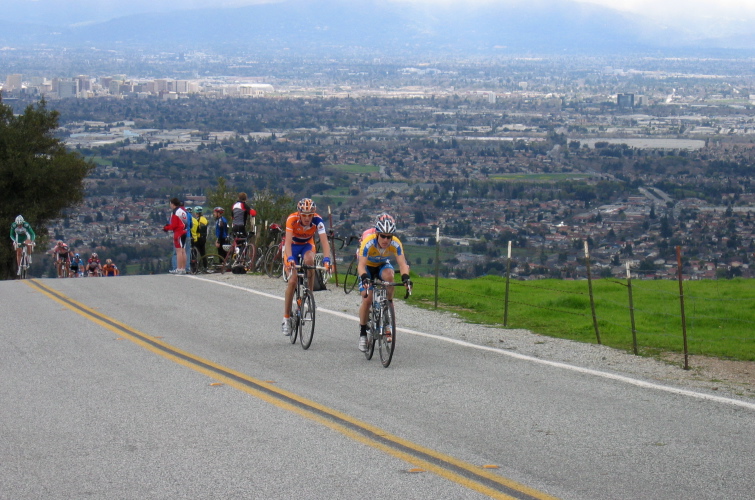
21	234
241	213
179	227
221	231
301	227
374	262
199	233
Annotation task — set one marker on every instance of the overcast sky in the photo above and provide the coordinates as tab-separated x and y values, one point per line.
97	10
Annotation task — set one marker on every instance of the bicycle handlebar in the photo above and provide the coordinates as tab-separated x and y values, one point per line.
408	285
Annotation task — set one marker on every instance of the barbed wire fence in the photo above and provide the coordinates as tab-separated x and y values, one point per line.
655	319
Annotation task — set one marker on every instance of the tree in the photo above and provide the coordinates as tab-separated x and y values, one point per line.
39	177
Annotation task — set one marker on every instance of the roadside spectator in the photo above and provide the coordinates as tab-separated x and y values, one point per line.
178	226
221	231
199	232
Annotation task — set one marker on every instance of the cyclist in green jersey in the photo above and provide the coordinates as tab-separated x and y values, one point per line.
21	233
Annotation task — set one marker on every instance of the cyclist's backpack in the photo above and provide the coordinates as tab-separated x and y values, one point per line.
202	230
238	269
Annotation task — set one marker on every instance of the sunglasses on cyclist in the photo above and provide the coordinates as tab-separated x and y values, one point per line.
386	236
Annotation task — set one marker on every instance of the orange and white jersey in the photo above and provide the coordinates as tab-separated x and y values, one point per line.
300	234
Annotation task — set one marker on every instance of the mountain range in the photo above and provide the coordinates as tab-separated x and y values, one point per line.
378	28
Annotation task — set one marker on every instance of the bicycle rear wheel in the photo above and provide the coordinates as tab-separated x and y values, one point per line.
194	260
275	265
307	319
387	336
351	278
250	254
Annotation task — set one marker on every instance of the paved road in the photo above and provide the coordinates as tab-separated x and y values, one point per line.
170	387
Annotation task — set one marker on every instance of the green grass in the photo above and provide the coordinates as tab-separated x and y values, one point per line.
720	315
539	177
357	169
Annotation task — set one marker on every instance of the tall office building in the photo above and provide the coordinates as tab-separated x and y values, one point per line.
625	101
12	82
68	88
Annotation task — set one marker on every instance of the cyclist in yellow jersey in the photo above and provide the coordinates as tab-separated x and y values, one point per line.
374	261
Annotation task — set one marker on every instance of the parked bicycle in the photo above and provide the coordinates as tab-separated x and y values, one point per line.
241	254
303	310
274	260
351	278
382	321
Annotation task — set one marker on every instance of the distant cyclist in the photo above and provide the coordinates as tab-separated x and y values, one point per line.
301	227
21	233
76	266
62	256
110	269
94	268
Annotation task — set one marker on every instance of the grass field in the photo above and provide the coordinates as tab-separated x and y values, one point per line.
540	177
357	169
720	315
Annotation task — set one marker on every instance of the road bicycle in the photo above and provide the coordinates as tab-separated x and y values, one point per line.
274	261
23	267
303	306
241	254
382	321
196	263
351	277
63	267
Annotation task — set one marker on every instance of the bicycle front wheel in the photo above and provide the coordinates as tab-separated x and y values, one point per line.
307	319
370	339
295	318
250	254
387	334
351	278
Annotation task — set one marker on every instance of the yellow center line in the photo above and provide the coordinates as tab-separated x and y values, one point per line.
465	474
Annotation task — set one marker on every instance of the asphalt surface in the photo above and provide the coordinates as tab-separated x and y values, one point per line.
170	387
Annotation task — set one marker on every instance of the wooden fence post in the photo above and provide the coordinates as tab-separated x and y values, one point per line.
506	297
631	309
589	288
681	302
437	262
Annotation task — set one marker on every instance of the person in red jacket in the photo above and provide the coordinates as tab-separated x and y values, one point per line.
178	227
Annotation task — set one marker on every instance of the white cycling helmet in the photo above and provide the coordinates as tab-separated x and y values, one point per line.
385	226
20	219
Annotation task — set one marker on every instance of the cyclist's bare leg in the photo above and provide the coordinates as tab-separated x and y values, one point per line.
309	260
289	294
387	275
364	309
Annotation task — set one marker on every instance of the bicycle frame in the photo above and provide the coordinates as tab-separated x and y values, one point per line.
382	321
303	307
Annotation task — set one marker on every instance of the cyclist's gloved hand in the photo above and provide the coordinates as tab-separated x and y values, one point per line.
365	279
291	262
405	279
326	263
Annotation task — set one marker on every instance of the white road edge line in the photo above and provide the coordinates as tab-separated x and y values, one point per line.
556	364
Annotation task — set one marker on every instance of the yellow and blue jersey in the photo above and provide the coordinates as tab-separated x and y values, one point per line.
377	256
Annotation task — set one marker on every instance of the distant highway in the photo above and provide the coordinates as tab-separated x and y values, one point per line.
170	387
